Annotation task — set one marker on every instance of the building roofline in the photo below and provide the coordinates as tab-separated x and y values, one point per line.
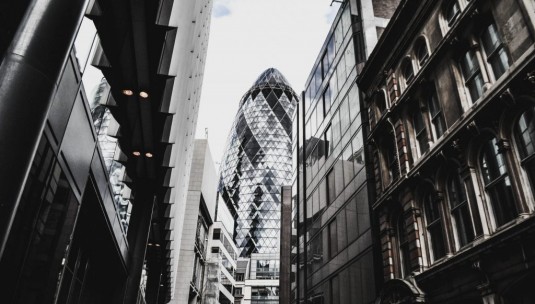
392	34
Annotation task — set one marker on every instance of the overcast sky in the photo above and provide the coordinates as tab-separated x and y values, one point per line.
246	38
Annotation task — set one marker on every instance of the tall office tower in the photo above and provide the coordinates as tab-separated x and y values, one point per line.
334	254
199	216
258	161
95	152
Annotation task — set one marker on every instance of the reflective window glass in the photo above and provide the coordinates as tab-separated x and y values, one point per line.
407	70
391	158
434	226
437	116
403	243
495	51
460	210
525	131
472	75
420	131
452	11
331	192
497	182
421	51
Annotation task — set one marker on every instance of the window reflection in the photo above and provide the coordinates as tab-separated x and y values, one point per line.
495	51
434	226
497	182
422	54
106	128
403	243
472	75
420	131
85	42
525	131
407	70
437	116
460	210
451	12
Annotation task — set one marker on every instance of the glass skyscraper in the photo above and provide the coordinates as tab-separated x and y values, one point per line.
258	162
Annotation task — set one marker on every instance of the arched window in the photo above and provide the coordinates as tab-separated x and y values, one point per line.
391	158
525	132
473	80
380	102
422	54
403	245
460	211
497	182
495	51
420	132
433	219
451	12
407	71
436	113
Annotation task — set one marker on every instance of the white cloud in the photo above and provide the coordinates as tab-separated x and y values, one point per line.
255	35
220	10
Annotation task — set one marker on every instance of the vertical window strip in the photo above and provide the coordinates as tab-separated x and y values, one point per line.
437	117
497	183
472	75
434	227
420	131
460	211
495	51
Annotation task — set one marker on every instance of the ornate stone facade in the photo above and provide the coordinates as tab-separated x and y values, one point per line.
451	140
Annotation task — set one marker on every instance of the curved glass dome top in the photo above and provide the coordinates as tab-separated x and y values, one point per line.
258	162
271	76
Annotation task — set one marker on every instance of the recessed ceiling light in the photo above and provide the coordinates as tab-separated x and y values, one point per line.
148	154
144	94
136	153
128	92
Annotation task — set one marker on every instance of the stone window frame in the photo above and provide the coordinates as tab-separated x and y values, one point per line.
389	160
380	105
456	210
427	194
421	42
445	24
402	244
420	132
476	77
435	112
487	185
498	51
526	180
406	74
474	44
422	140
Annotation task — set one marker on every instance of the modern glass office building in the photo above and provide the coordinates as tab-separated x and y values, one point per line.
258	161
95	154
333	250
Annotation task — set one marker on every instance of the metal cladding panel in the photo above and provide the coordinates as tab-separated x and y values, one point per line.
258	161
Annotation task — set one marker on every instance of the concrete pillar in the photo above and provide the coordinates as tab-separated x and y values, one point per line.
138	235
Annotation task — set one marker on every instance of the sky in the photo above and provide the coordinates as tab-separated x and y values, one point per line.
248	37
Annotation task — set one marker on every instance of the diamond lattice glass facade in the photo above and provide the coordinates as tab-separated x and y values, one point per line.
258	162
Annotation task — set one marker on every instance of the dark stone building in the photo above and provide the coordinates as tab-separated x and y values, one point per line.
88	163
449	92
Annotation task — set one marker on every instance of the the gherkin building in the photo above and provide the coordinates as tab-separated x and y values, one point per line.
258	162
